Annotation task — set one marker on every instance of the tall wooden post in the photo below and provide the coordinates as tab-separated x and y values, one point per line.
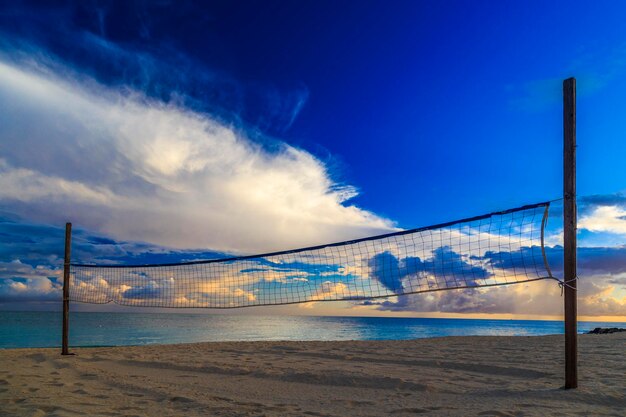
66	289
569	232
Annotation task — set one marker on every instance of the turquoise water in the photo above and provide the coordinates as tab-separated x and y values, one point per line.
43	329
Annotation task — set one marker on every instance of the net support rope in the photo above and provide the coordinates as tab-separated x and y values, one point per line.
500	248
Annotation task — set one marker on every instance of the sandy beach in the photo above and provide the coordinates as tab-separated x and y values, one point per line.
453	376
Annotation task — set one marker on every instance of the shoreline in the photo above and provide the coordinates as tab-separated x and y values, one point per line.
100	330
87	347
596	331
452	375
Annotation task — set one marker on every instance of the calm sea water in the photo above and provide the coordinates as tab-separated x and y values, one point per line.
43	329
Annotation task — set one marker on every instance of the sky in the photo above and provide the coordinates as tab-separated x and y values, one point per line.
172	131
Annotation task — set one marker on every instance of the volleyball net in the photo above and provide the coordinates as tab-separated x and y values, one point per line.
495	249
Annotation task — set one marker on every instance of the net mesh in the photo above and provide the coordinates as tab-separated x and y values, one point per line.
495	249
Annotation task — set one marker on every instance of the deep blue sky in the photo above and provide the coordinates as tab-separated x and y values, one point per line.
434	110
191	125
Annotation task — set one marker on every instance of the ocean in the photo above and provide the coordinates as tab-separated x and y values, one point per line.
43	329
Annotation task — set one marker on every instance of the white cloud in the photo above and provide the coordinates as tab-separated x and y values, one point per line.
329	290
610	219
596	295
137	169
33	281
27	185
16	268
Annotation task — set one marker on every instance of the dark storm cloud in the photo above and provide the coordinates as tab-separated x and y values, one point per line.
390	271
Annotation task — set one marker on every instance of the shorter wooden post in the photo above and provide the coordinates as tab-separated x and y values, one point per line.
66	289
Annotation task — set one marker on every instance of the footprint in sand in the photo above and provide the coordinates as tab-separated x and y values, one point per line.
494	413
37	357
127	408
181	400
410	411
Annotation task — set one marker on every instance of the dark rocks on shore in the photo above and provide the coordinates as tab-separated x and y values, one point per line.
606	330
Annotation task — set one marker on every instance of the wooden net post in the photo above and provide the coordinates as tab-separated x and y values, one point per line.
66	289
569	232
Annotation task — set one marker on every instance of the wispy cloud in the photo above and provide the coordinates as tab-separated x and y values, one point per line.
138	169
605	219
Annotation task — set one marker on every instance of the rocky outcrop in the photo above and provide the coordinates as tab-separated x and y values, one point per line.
606	330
